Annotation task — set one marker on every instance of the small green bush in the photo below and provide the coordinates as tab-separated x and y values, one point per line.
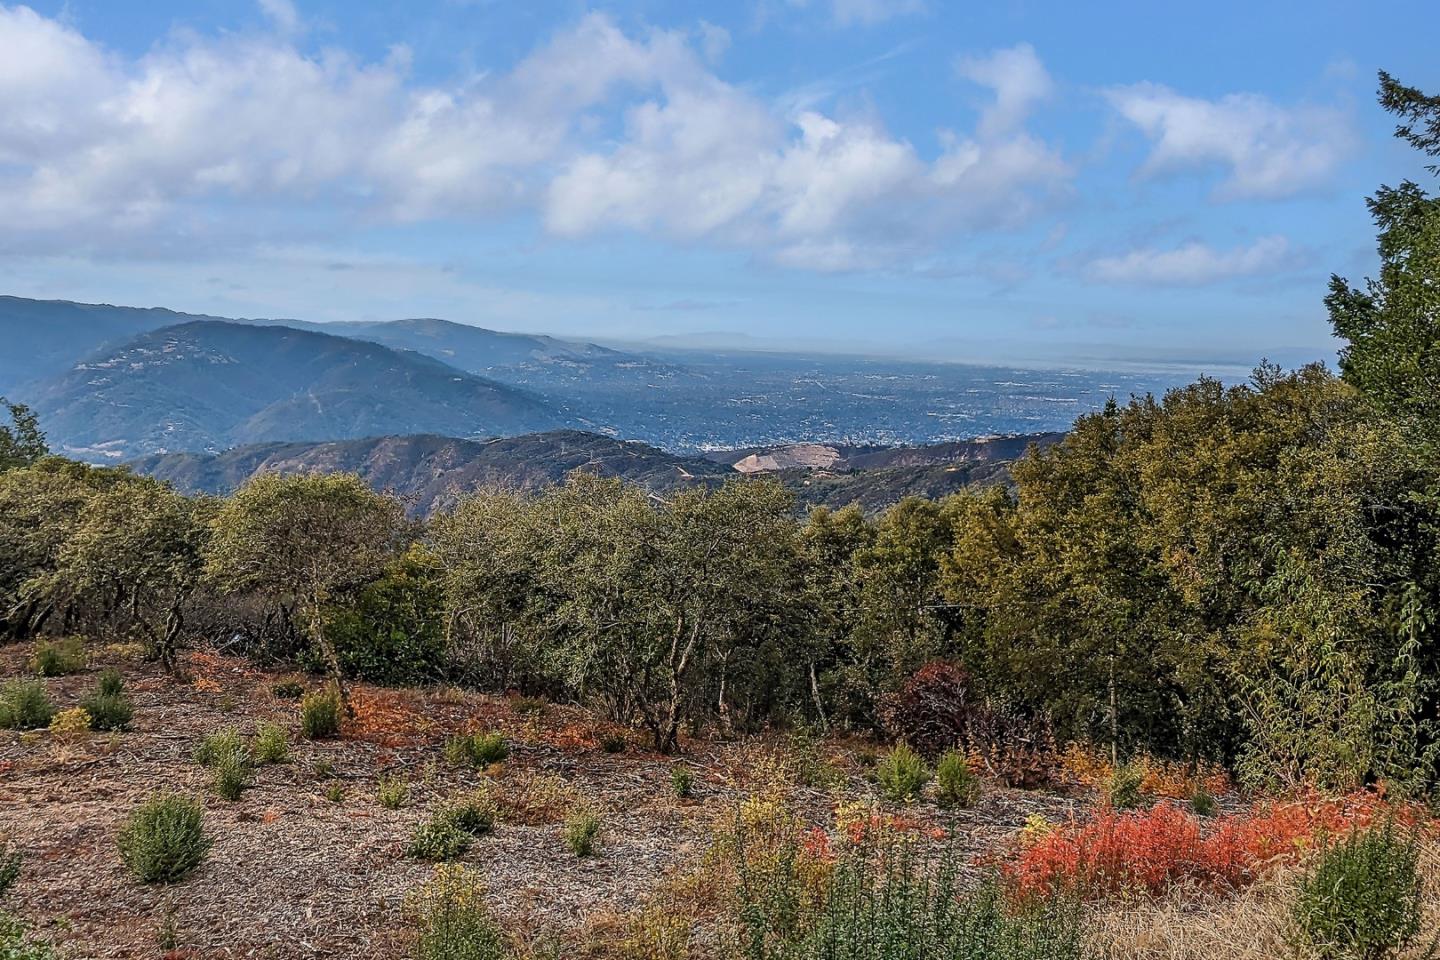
392	791
902	774
271	744
232	775
56	658
214	747
453	921
439	839
334	792
533	707
682	782
1122	789
16	945
1202	802
320	714
288	689
110	684
582	829
24	705
108	706
10	863
475	813
476	749
955	783
165	838
1361	899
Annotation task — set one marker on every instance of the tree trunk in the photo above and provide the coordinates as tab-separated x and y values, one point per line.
331	655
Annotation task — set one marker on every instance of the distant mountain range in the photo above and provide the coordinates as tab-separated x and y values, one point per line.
432	472
208	385
119	383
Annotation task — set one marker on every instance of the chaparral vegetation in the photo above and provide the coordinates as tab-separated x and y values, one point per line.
1173	692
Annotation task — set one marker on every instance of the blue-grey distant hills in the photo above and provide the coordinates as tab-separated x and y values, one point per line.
208	385
44	338
115	383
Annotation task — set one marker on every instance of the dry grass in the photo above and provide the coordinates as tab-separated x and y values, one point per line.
1254	925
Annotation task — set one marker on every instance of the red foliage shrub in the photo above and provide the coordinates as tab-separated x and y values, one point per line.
1148	852
932	710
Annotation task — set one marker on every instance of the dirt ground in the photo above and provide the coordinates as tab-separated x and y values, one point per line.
294	875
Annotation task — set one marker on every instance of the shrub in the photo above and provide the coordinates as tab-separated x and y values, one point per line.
1361	899
110	684
807	759
71	723
224	753
393	791
334	792
392	631
165	838
532	707
453	922
320	714
536	800
109	711
1202	803
613	743
10	863
215	747
475	813
439	839
476	749
582	829
931	710
232	775
16	945
1122	790
902	774
24	705
288	689
682	782
1016	746
1149	852
955	784
55	658
884	897
271	744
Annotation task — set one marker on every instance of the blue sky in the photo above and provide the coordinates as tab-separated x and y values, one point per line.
1041	182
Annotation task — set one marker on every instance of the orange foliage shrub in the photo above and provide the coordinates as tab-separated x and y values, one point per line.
1148	852
1086	765
387	718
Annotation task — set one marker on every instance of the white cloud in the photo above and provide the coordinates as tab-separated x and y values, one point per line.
866	13
813	190
1019	80
1194	263
1266	150
204	136
282	13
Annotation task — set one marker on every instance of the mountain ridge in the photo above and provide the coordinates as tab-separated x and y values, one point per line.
207	385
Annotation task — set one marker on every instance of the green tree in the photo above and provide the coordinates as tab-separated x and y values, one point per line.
133	557
1392	327
305	541
40	509
392	631
22	443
